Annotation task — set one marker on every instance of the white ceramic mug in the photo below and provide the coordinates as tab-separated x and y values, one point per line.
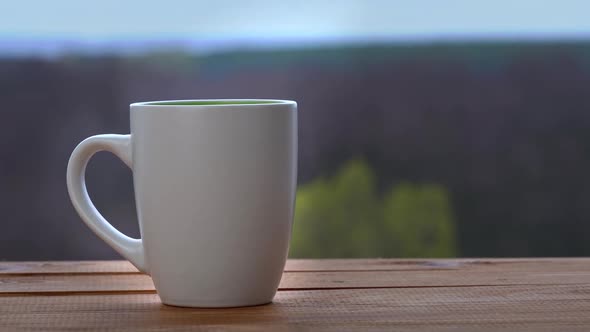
215	188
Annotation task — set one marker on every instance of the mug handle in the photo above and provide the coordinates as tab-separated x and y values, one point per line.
120	146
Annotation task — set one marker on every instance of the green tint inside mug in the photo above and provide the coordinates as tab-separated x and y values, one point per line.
212	102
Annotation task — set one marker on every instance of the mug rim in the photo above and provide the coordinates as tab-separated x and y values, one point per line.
202	103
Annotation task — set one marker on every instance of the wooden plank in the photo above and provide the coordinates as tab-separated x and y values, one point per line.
535	308
66	267
124	267
10	284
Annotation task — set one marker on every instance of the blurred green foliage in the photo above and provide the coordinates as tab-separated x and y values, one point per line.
343	216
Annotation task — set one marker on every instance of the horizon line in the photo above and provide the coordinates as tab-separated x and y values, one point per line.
56	46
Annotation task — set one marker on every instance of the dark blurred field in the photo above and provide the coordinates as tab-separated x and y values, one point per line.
489	141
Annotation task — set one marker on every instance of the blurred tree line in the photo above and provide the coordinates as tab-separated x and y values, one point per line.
344	216
473	149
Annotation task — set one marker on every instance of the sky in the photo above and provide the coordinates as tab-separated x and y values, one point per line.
115	20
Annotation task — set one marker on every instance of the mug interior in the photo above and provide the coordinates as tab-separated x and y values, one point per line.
212	102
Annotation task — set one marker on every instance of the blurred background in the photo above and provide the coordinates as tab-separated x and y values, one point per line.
427	128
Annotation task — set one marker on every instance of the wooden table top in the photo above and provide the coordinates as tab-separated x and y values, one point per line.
337	295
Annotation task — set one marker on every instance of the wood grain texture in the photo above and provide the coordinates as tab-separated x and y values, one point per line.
493	308
295	265
335	295
450	274
66	267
